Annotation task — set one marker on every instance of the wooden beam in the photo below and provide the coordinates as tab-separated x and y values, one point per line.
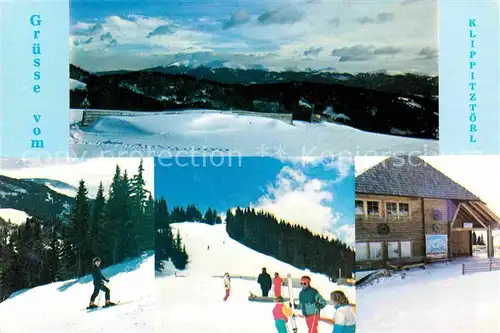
490	212
480	211
455	216
474	215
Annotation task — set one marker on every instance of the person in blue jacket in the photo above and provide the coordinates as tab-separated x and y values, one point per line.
99	285
344	320
311	303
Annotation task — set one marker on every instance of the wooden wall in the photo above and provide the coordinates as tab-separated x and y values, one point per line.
413	228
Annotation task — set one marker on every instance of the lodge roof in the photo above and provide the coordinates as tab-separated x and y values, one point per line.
410	176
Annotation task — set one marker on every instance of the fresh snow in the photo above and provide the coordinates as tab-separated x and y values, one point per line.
410	102
335	116
60	307
15	216
77	85
206	131
199	289
66	191
437	299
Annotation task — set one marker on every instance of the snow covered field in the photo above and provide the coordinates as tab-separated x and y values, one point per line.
13	215
192	301
437	299
207	131
60	307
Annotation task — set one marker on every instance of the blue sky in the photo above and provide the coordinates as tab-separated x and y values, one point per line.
351	36
318	194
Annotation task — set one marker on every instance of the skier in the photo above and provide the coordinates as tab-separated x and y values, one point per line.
281	312
344	320
227	286
311	303
99	285
277	283
265	282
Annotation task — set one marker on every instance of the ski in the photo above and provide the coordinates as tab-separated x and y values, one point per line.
292	301
105	307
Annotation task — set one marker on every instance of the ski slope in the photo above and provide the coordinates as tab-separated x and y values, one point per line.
207	131
14	216
60	307
437	299
192	301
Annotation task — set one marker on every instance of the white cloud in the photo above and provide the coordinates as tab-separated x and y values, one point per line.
286	29
304	201
347	233
92	171
342	164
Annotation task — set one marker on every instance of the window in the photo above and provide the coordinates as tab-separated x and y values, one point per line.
391	209
397	209
393	250
359	207
373	208
375	251
361	251
396	250
405	249
404	209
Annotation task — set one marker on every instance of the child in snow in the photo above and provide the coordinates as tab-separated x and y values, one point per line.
277	283
99	284
281	312
227	285
344	320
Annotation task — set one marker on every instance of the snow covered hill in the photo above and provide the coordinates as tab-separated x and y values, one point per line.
77	85
205	131
437	299
13	215
57	186
59	307
199	289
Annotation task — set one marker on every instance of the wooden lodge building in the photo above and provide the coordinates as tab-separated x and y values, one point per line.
407	212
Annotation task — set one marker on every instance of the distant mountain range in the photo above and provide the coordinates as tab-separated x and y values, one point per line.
376	102
32	197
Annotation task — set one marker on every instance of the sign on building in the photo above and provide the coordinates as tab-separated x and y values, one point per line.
436	246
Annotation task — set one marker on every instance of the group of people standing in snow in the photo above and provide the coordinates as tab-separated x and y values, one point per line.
310	302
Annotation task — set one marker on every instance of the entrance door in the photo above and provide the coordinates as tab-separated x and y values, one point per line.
461	243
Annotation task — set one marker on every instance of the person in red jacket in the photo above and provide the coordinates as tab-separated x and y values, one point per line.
277	283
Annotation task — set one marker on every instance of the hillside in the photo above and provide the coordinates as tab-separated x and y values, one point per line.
370	102
32	197
201	280
60	307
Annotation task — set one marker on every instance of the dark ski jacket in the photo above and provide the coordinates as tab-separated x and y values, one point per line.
265	281
310	301
97	275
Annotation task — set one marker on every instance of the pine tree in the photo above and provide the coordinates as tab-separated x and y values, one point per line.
79	230
114	212
97	221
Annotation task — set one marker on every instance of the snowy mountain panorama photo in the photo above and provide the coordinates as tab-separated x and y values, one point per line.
253	78
236	234
428	244
76	246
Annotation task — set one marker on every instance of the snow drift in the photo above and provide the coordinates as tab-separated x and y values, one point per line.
209	130
437	299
